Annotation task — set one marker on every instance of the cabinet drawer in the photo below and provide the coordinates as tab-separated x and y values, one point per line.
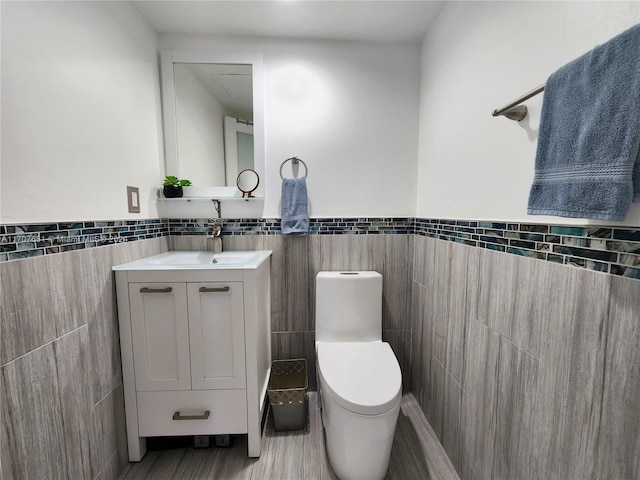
228	412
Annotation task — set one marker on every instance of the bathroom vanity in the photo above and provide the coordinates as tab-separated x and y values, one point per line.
195	339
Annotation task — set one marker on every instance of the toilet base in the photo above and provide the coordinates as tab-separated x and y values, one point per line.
358	446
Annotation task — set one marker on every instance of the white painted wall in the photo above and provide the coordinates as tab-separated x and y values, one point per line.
349	110
477	57
80	111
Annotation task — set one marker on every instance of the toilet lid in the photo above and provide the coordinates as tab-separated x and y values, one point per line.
363	377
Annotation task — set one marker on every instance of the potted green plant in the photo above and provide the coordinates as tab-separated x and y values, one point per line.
172	186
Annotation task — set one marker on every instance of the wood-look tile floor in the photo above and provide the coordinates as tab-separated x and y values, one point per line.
300	455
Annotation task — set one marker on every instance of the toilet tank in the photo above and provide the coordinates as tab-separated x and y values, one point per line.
348	306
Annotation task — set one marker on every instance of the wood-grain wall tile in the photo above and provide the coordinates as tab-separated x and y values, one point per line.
417	324
451	302
440	317
46	406
550	368
570	387
290	303
448	409
478	416
72	355
514	412
396	272
426	358
53	376
102	320
25	323
347	252
245	242
31	421
458	310
42	300
127	252
109	441
531	291
511	299
423	266
189	243
618	454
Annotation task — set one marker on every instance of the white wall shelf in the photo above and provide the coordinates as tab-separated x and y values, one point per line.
210	198
210	206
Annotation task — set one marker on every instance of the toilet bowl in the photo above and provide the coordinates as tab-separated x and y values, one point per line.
359	378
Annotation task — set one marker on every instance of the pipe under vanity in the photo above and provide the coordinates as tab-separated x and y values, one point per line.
216	237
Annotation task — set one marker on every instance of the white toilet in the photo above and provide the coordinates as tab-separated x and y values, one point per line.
359	377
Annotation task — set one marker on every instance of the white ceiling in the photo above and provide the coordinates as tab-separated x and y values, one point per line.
357	20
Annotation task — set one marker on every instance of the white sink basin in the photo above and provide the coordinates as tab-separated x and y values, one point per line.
179	258
198	260
233	258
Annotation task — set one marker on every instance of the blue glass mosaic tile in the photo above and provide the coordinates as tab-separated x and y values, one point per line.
595	248
27	240
628	272
575	231
604	249
632	235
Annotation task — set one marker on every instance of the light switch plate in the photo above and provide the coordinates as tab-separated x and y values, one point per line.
133	199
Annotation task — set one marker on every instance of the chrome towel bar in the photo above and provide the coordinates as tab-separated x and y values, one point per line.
513	110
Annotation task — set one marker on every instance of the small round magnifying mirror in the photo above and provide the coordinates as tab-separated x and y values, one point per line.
247	181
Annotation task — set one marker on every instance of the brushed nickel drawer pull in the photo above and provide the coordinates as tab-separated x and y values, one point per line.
155	290
214	289
204	416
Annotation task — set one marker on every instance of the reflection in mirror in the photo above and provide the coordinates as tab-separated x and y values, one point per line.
212	106
211	99
238	147
247	181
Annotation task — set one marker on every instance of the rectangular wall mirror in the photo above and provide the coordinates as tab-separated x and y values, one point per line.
213	116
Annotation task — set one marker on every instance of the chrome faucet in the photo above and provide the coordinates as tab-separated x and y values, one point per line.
215	237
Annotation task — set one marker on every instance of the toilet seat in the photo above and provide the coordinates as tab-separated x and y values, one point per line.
363	377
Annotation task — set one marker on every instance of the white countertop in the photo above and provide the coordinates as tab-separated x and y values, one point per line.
240	260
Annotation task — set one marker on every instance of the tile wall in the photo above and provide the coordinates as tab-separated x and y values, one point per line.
526	369
34	240
600	248
60	374
526	366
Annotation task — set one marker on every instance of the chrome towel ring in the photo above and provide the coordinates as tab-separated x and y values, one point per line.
295	161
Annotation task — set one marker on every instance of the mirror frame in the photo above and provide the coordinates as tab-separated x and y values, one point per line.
170	57
248	193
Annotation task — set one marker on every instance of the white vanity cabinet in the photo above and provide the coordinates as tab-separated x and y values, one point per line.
195	345
187	335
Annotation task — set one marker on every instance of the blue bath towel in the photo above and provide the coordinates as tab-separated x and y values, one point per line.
588	155
294	209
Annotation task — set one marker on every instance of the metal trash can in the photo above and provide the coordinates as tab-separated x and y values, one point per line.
287	394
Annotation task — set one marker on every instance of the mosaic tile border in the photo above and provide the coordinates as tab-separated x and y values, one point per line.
604	249
317	226
35	239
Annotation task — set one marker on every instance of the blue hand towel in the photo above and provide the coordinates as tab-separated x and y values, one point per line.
294	210
588	157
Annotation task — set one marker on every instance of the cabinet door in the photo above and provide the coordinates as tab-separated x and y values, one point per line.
160	332
216	325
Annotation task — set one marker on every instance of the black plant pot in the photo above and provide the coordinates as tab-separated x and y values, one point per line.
172	191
